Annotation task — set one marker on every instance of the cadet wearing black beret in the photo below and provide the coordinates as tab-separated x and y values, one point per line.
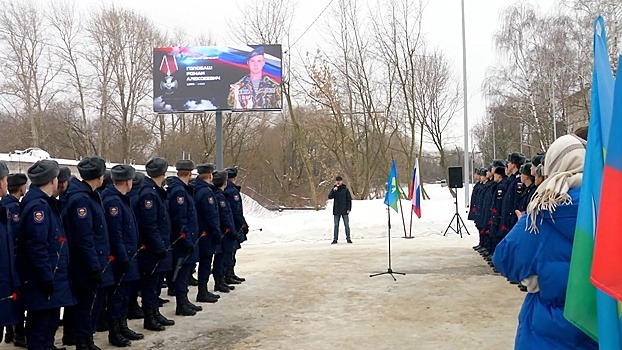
122	172
184	164
91	168
219	177
156	167
205	168
43	172
64	174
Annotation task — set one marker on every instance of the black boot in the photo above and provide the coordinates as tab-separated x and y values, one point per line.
134	311
82	343
69	338
230	280
115	337
10	335
220	285
204	296
127	332
236	276
183	307
150	322
161	319
192	306
192	281
91	344
102	325
20	336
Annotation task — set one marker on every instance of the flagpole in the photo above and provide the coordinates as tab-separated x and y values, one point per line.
410	230
402	210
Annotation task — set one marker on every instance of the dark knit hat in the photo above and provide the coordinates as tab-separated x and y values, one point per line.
538	159
232	172
138	179
525	169
516	158
64	174
156	167
184	164
16	180
500	171
499	163
205	168
4	169
43	171
219	177
122	172
91	168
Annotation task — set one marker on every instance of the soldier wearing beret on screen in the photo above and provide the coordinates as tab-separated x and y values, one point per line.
255	90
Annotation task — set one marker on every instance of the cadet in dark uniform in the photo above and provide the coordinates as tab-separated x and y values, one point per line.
123	235
227	227
43	258
64	176
17	189
497	204
477	202
511	198
154	232
9	281
89	250
209	227
185	234
134	310
474	194
232	192
487	202
526	188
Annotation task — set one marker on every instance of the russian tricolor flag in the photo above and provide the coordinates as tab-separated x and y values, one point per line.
415	190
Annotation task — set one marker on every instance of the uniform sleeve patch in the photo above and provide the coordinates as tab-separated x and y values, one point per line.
180	200
15	217
236	197
223	204
211	200
39	216
148	204
82	212
114	211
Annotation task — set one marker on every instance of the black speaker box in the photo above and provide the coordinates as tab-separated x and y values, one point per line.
455	176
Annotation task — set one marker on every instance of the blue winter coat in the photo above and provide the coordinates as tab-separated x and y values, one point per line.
497	203
473	205
232	192
154	228
9	281
208	218
183	213
122	232
484	220
227	226
510	203
87	235
12	207
43	252
541	323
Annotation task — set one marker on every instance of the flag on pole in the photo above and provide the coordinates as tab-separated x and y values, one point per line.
393	190
415	190
587	308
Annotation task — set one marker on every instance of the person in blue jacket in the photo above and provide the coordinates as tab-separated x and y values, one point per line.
134	309
9	281
537	252
511	198
227	227
184	234
123	235
43	258
232	192
63	183
154	232
89	250
17	189
209	227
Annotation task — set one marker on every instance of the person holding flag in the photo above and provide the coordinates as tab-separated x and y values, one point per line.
342	206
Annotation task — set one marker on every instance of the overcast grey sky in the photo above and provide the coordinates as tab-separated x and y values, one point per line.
441	24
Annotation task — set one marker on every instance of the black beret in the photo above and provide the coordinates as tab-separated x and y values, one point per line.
499	163
500	171
4	169
256	52
91	168
525	169
16	180
156	167
516	158
138	179
219	177
205	168
43	171
64	174
338	178
232	172
538	159
122	172
184	164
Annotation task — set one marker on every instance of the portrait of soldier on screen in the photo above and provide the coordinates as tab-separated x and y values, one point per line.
256	90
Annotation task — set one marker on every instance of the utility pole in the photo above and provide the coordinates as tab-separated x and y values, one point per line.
466	116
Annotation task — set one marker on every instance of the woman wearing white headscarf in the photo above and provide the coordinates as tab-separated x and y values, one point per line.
537	252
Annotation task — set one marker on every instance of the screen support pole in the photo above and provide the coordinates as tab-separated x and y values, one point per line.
219	149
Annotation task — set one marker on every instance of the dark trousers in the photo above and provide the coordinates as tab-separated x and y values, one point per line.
181	281
150	288
227	261
235	250
134	288
219	268
85	319
41	327
205	267
118	302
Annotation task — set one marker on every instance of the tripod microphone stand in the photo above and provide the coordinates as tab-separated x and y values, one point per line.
389	270
459	222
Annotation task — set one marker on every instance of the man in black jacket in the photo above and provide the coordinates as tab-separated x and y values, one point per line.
341	207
